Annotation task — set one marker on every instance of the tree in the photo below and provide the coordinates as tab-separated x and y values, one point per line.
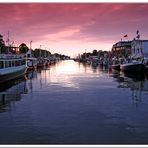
41	53
37	52
88	54
23	48
2	45
95	53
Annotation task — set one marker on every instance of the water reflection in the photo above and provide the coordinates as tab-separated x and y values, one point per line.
60	74
69	75
11	91
73	103
65	74
30	76
137	83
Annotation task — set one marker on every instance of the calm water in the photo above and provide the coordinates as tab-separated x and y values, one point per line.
72	103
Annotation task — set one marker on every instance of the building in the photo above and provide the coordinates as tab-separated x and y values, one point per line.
145	48
121	48
124	48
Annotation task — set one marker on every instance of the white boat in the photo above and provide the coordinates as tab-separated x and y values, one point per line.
11	67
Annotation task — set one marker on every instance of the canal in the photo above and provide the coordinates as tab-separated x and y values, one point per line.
73	103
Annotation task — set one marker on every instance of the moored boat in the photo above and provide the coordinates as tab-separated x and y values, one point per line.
115	64
11	67
133	66
40	62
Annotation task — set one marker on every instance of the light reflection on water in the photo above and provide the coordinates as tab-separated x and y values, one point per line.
66	74
73	103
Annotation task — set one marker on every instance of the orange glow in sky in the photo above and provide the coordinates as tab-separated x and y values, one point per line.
72	28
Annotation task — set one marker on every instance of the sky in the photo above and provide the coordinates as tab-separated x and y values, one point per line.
72	28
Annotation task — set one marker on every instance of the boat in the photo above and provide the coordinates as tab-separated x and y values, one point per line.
11	67
115	64
12	64
134	66
40	63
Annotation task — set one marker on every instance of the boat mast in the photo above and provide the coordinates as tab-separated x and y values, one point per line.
8	41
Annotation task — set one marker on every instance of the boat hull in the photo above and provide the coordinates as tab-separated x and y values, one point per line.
146	68
130	67
11	76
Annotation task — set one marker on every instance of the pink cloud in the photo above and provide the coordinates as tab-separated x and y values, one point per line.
81	22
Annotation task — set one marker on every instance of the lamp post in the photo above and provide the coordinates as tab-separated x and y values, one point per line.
30	44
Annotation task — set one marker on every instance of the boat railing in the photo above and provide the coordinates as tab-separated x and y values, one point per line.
11	56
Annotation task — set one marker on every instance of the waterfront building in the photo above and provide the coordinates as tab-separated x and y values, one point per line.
145	48
124	48
121	48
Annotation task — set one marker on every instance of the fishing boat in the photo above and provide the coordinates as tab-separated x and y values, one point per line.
11	67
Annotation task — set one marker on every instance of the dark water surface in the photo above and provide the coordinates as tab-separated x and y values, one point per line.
72	103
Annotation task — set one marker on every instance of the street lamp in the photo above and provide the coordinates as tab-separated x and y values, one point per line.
30	44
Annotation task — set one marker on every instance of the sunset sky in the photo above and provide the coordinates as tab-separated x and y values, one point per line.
72	28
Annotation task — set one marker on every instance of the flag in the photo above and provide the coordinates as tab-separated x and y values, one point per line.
125	36
137	32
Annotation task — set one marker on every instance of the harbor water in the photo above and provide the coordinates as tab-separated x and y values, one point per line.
73	103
